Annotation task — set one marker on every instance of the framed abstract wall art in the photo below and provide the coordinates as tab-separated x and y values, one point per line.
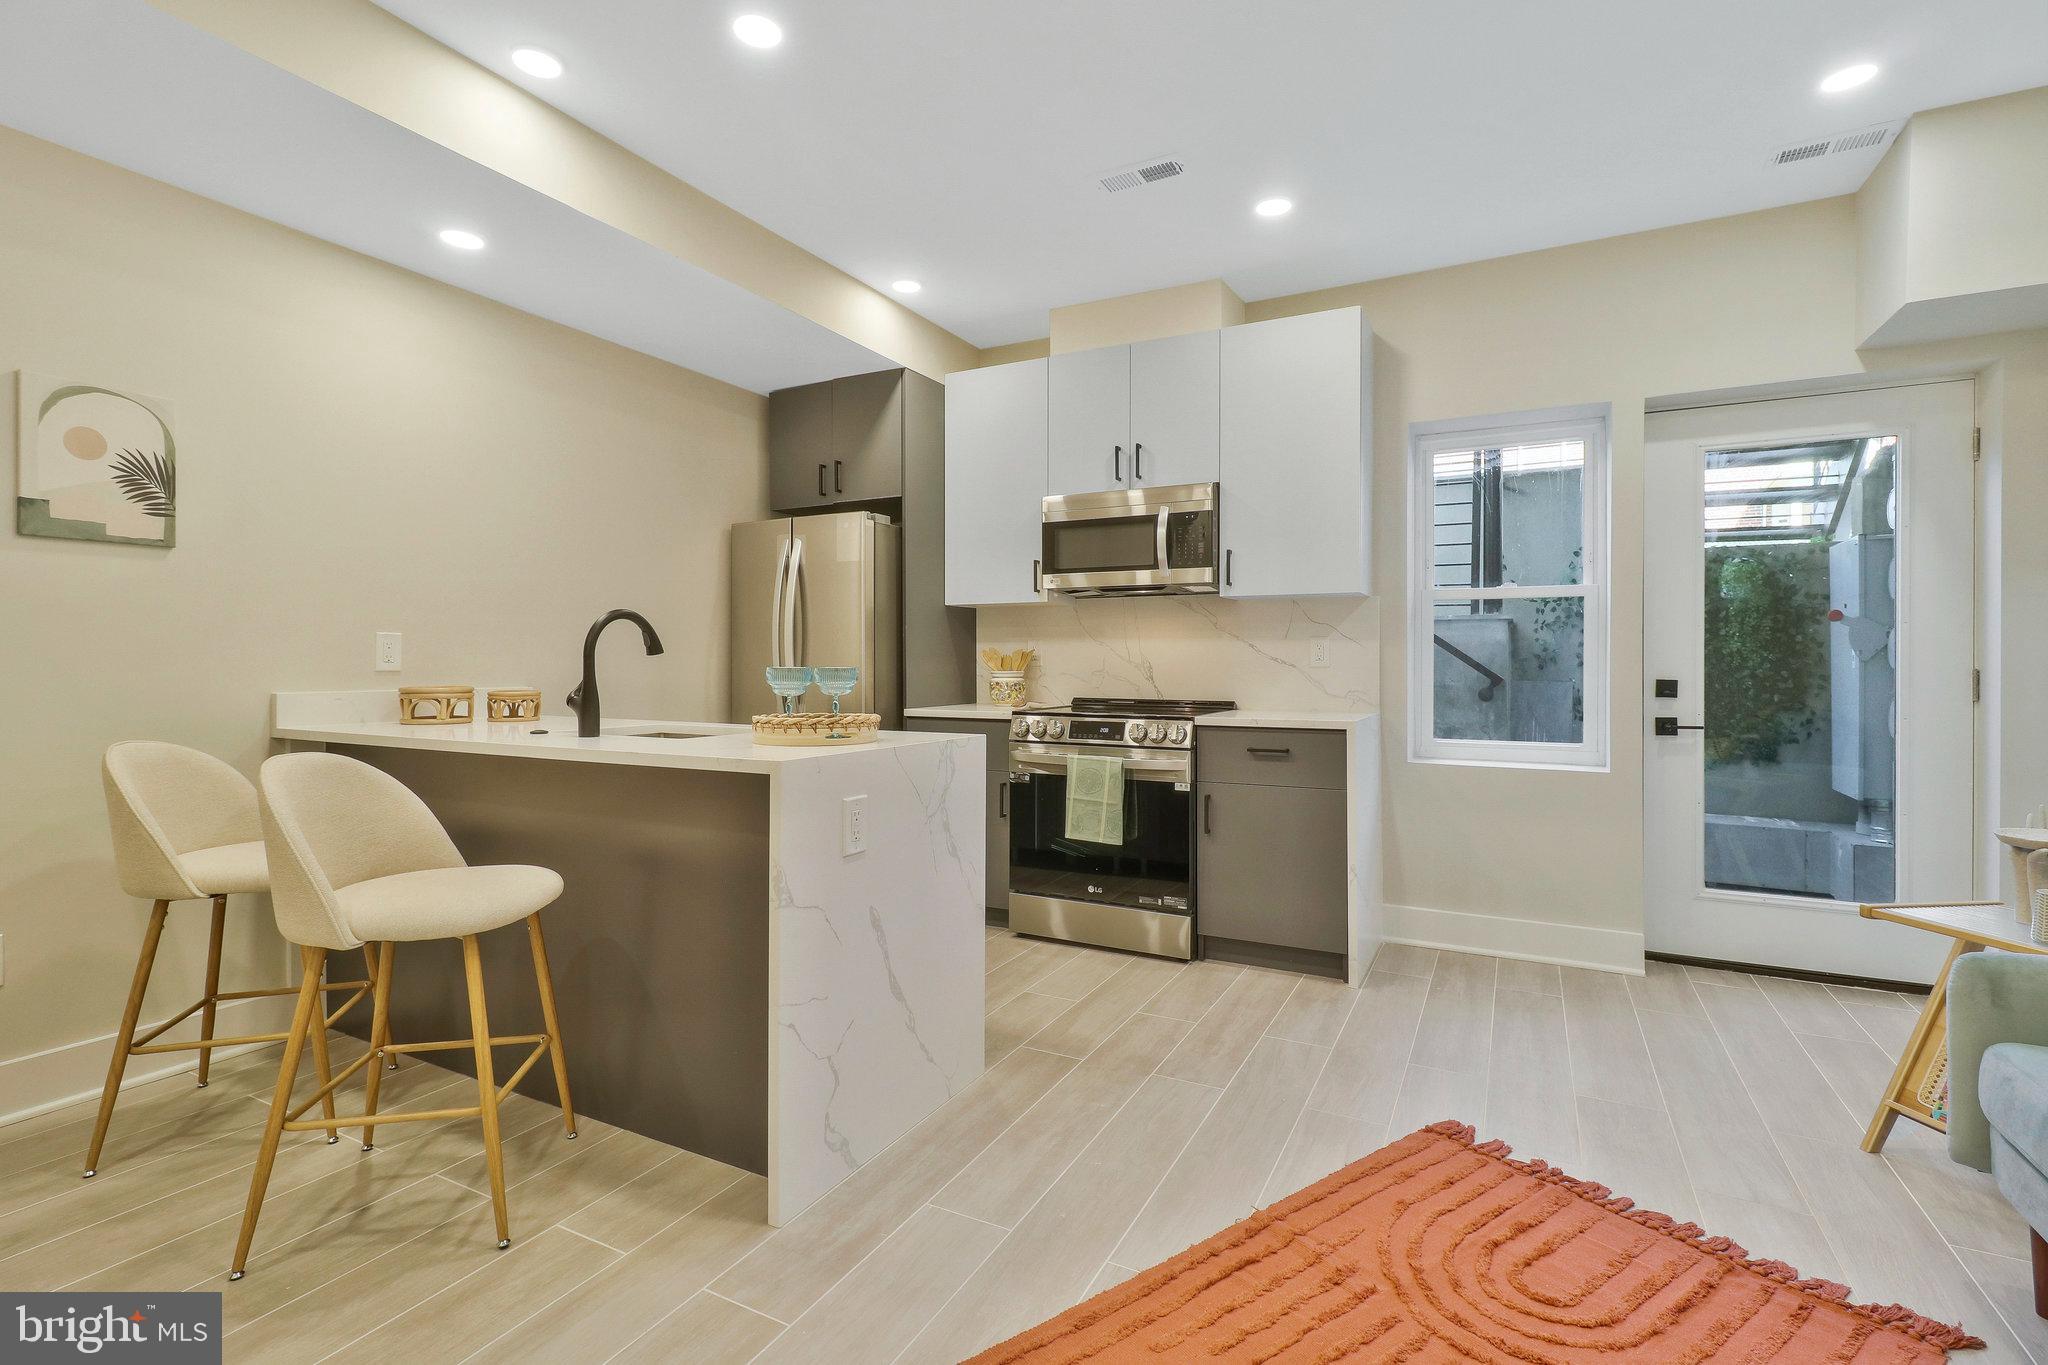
95	464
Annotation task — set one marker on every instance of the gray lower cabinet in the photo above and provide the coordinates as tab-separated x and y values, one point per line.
997	733
1271	865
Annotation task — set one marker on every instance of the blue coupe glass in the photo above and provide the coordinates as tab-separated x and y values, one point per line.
790	682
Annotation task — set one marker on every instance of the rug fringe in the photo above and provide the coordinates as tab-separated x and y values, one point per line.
1947	1336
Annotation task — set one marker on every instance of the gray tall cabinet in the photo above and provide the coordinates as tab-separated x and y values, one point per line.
879	441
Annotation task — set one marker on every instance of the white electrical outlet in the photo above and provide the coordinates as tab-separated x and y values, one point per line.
853	826
390	649
1319	653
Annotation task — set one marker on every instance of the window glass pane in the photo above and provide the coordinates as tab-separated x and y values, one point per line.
1509	515
1511	670
1800	669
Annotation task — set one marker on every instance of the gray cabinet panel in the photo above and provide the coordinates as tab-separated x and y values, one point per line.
799	447
1270	865
1176	395
867	437
995	483
997	750
1272	758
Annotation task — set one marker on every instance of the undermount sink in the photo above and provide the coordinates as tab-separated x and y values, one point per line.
668	734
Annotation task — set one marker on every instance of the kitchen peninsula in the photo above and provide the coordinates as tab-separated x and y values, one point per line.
731	980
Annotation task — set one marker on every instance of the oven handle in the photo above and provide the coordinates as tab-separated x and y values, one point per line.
1137	769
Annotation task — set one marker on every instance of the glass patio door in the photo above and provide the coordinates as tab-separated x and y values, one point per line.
1807	676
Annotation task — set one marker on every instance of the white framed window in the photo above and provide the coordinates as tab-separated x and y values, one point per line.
1508	590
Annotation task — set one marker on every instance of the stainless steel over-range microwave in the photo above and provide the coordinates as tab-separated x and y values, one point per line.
1131	541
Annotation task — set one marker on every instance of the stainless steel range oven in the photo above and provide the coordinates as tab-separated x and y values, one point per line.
1137	894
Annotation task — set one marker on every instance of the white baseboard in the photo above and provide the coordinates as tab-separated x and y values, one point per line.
1568	945
55	1077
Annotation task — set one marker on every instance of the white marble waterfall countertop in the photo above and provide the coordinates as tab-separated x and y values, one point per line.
1247	719
966	710
364	717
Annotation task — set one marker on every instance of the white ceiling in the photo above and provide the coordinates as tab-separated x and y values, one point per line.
123	81
959	141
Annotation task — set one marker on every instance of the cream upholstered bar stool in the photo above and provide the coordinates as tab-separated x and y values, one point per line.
356	859
185	828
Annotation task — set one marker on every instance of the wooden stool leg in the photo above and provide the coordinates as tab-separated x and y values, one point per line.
129	1015
376	971
545	981
309	1010
380	1034
486	1083
322	1070
220	924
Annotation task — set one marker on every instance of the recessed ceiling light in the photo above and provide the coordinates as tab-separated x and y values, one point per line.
462	239
534	62
1848	78
1273	208
906	286
757	30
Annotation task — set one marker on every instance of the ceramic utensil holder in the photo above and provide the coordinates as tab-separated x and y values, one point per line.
1006	689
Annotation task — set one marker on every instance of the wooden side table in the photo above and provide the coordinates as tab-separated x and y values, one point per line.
1972	925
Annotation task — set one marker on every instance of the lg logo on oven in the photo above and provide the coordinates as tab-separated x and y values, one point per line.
172	1329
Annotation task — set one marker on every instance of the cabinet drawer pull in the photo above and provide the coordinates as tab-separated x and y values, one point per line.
837	487
1269	752
1229	562
1118	459
1208	802
1003	802
1137	459
1037	578
821	481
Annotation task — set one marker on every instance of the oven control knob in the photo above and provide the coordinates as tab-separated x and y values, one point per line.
1157	731
1038	729
1055	728
1178	734
1134	732
1018	728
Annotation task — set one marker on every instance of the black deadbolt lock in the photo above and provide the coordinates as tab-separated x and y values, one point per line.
1666	687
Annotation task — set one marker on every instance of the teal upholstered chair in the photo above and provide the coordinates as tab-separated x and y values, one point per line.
1998	1084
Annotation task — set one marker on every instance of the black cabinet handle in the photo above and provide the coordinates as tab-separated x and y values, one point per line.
1208	802
821	481
1276	753
1037	579
837	487
1229	556
1003	802
1137	459
1119	464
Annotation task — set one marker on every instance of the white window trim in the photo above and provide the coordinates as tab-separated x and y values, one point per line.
1590	424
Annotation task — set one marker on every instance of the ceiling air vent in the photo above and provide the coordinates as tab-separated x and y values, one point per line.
1140	173
1861	139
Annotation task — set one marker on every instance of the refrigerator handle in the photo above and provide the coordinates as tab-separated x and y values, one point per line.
775	610
793	599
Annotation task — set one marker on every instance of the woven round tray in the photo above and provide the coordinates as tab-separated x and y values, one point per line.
817	728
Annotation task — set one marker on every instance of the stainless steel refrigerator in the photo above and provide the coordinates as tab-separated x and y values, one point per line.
821	590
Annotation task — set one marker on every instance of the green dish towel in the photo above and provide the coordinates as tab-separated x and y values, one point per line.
1095	799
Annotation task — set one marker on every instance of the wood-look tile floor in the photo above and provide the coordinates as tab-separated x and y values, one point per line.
1131	1106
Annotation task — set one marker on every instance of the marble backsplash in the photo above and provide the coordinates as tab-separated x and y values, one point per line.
1254	652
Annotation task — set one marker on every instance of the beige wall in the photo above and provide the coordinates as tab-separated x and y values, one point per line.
1200	307
373	59
1762	299
361	449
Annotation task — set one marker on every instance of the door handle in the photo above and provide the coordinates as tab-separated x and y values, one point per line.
821	481
1229	558
1119	464
837	487
1208	802
1137	459
1668	726
775	654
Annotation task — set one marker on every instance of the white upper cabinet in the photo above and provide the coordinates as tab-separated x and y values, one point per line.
995	483
1176	387
1294	509
1089	433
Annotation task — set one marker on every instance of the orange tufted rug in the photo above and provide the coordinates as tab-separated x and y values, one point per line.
1434	1249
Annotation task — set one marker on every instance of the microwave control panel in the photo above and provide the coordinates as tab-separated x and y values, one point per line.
1190	540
